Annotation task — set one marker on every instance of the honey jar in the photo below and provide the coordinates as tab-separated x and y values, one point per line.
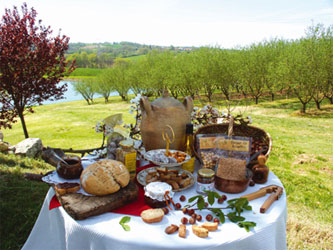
127	155
205	180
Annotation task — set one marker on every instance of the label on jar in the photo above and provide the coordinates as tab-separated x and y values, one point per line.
201	188
130	163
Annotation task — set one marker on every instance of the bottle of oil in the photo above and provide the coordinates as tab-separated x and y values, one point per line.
189	166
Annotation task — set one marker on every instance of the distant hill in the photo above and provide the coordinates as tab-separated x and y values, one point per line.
102	55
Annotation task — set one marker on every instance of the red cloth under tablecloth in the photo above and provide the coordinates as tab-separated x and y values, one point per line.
134	208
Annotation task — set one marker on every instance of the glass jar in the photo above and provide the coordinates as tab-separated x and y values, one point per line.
205	180
127	155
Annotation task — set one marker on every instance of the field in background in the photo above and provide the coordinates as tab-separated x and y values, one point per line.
302	157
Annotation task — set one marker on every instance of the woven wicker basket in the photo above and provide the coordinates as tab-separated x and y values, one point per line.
257	134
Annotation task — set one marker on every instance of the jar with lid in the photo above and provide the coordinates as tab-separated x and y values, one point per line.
127	155
205	180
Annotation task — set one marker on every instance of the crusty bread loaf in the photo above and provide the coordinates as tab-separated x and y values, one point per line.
210	226
200	231
104	177
152	215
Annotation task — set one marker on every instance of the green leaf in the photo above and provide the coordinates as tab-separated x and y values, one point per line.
222	218
217	195
201	203
235	218
194	198
126	227
125	219
211	198
247	225
218	212
248	207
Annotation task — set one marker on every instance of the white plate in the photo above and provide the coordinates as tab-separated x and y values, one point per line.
141	177
149	157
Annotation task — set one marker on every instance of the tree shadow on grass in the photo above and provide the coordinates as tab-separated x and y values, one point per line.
324	112
12	163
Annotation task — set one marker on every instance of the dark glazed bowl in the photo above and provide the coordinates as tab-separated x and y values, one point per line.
72	170
232	186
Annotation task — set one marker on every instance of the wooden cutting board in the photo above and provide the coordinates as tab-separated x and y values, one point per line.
80	206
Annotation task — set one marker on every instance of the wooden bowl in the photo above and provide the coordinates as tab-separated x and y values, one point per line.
233	186
258	135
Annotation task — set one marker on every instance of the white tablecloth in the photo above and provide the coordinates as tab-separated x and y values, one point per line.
55	229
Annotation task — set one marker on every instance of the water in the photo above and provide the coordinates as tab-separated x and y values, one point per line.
71	95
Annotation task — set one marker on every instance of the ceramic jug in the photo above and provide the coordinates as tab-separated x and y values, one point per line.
161	114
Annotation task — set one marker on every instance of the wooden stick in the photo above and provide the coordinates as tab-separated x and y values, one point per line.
273	197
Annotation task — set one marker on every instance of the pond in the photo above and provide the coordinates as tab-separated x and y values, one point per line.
71	95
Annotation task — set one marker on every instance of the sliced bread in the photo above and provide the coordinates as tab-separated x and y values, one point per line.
200	231
152	215
210	226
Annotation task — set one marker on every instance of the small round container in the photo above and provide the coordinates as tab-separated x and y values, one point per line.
205	180
72	170
154	194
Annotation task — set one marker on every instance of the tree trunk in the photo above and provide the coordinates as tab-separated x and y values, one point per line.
87	100
23	124
226	93
317	104
272	97
257	99
303	108
123	97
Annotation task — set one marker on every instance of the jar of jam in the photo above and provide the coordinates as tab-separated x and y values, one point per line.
205	180
127	155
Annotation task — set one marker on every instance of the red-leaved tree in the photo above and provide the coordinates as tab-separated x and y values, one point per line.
31	65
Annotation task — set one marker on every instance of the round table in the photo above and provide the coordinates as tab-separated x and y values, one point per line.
55	229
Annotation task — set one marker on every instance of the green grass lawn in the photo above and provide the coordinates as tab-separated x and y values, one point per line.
302	157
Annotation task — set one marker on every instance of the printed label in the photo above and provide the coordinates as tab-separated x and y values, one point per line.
224	143
130	162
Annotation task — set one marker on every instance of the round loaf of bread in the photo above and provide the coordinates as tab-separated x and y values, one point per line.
104	177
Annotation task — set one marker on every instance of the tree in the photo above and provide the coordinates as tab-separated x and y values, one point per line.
87	88
31	65
296	70
315	49
117	77
187	75
103	87
206	60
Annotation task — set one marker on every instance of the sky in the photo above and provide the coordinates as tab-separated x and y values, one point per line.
224	23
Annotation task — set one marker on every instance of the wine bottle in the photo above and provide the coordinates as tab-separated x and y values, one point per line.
189	166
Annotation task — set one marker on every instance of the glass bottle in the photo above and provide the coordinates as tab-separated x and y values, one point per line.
189	166
127	155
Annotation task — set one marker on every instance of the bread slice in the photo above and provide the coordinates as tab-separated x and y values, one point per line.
182	231
210	226
66	188
200	231
152	215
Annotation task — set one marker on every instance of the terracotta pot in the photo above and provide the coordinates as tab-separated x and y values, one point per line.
160	113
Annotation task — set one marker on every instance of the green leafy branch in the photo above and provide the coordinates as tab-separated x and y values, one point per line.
237	206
